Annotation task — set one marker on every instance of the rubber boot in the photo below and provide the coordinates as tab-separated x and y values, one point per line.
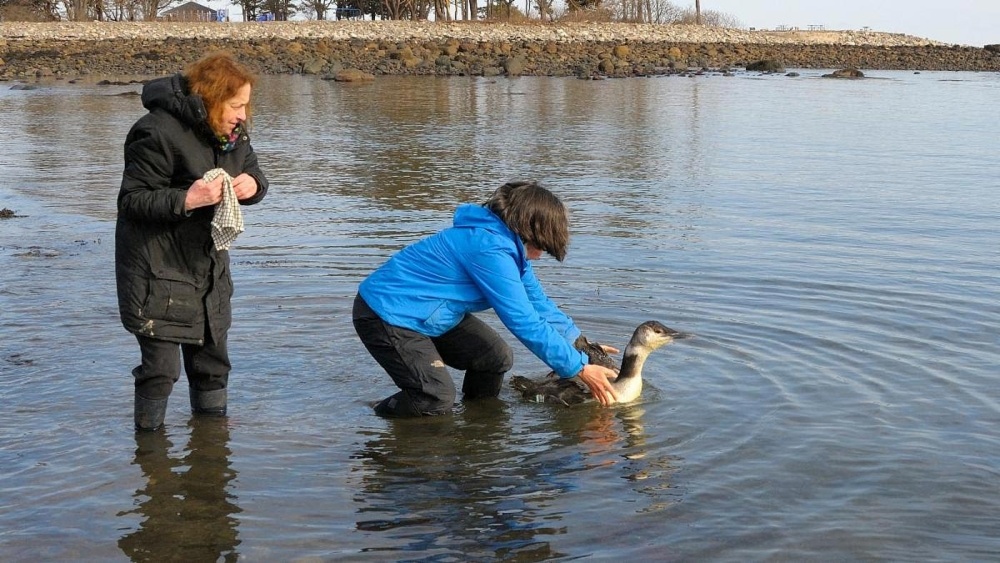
149	413
211	403
399	406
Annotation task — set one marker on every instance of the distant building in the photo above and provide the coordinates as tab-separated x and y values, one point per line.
193	12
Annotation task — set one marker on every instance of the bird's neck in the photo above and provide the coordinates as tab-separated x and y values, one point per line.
632	361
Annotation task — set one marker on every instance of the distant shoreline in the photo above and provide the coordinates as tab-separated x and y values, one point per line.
483	31
446	48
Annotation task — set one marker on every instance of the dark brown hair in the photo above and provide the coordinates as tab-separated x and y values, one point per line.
535	214
216	78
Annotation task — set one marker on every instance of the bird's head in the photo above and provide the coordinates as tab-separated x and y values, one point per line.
653	334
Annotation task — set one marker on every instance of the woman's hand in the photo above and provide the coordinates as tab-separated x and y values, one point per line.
245	186
597	379
203	194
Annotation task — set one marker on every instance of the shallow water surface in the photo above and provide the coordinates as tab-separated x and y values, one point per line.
830	244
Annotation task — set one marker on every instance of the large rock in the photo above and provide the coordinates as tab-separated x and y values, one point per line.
845	73
353	75
514	66
767	65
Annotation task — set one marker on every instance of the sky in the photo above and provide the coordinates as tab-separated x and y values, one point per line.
962	22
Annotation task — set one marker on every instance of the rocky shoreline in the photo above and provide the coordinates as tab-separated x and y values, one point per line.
71	49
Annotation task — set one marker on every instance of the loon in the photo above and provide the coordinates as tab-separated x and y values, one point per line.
551	388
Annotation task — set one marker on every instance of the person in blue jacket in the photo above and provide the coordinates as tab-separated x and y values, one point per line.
414	313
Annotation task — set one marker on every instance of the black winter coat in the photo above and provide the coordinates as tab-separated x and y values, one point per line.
172	283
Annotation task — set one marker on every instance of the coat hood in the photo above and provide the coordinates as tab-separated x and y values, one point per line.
477	216
172	95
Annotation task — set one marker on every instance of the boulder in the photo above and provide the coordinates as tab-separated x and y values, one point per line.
766	65
845	73
514	66
353	75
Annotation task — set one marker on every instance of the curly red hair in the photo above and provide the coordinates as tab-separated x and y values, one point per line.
216	78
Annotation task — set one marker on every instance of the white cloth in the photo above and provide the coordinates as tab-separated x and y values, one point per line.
227	223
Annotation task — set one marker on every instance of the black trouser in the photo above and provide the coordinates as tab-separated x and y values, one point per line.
207	367
417	363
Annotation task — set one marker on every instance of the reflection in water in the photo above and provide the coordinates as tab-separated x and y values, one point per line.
188	512
617	437
472	486
45	158
615	440
452	141
451	485
848	308
650	471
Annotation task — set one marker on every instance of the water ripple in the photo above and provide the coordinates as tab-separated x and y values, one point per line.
837	399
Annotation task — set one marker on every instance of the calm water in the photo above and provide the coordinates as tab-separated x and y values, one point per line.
832	245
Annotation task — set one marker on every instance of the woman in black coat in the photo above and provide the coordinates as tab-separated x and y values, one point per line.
174	284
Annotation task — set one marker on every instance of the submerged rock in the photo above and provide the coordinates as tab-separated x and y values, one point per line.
766	65
353	75
845	73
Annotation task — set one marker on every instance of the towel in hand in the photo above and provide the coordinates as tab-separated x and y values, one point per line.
227	223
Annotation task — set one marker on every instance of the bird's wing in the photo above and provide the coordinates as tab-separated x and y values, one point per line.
595	354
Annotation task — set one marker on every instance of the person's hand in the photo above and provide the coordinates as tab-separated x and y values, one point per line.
245	186
597	379
203	194
608	349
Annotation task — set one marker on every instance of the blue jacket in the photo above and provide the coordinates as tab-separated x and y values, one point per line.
477	264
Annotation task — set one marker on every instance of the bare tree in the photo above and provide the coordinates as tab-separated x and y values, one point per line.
642	11
441	10
406	9
697	12
545	9
710	18
397	9
251	9
318	7
29	10
663	11
148	10
122	10
421	9
374	8
575	5
282	9
76	10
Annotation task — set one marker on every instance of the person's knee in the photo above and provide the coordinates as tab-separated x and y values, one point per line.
479	385
156	388
153	386
506	359
499	359
439	401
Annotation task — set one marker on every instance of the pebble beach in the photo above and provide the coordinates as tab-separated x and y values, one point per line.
477	48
